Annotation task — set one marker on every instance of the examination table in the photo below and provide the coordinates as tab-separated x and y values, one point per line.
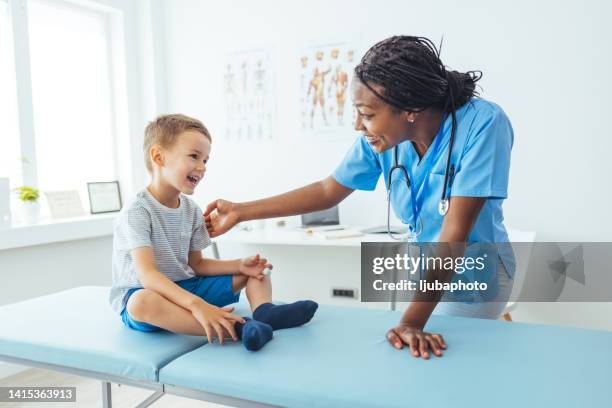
339	359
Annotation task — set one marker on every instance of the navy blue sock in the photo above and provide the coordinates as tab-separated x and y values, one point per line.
286	316
254	334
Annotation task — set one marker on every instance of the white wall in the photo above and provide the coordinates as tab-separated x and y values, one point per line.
544	62
39	270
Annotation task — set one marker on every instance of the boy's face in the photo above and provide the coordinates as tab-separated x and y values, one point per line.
185	162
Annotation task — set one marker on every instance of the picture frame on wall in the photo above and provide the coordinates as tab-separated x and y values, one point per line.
104	197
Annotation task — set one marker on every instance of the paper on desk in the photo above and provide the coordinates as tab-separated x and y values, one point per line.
324	228
343	233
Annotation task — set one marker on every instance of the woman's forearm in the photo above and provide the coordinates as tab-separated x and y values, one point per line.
452	242
313	197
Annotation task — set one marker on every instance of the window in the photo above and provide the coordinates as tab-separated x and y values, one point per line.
63	94
71	95
10	152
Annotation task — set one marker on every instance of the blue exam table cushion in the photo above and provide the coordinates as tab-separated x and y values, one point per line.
341	359
78	329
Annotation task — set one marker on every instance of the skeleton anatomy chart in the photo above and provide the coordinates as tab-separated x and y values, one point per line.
249	97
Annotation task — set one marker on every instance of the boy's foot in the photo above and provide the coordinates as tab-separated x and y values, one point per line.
286	316
254	334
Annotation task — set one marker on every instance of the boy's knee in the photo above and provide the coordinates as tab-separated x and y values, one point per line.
266	279
258	283
141	304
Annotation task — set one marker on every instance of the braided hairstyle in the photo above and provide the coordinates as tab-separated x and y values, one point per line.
413	78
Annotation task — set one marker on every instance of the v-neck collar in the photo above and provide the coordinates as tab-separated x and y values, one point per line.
414	155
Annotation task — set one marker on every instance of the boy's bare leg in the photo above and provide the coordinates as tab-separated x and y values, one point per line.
150	307
259	291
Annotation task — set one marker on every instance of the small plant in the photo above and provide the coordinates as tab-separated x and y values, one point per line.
27	193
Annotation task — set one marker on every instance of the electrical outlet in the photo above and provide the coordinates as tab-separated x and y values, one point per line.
344	293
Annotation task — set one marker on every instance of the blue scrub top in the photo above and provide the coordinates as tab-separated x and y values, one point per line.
481	155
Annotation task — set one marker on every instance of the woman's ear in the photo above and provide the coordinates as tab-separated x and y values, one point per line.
157	155
410	116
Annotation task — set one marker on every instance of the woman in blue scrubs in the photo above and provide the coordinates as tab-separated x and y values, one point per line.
408	103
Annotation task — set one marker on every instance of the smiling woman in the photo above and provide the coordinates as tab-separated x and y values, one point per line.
453	152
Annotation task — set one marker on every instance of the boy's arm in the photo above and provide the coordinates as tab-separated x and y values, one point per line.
211	267
252	266
151	278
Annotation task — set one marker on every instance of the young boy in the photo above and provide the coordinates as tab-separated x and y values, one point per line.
160	279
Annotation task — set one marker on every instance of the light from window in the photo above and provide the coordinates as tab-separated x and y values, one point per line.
10	148
71	90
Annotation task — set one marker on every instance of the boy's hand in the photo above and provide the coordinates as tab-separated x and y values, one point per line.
220	216
254	266
214	319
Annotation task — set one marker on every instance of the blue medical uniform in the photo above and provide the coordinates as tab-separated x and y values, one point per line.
481	155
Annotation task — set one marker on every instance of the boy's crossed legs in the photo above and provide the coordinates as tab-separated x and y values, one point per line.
149	311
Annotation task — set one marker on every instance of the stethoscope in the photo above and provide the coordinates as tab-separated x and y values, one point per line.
415	230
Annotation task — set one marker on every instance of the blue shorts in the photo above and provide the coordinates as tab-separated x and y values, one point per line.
216	290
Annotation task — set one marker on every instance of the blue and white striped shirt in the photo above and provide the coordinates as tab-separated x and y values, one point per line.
171	232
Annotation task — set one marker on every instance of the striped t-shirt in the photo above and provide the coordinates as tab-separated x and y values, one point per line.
171	232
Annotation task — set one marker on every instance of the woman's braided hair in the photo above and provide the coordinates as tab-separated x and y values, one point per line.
413	77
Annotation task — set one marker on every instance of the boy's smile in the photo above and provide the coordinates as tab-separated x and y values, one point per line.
193	180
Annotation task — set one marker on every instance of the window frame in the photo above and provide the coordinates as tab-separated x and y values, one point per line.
113	19
139	87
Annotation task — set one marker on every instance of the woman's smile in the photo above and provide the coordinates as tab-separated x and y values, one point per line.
373	140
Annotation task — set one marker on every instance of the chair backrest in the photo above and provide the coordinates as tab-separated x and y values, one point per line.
522	245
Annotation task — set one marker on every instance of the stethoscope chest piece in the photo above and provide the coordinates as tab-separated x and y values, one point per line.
443	206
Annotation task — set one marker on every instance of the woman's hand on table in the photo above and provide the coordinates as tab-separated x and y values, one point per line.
220	216
417	340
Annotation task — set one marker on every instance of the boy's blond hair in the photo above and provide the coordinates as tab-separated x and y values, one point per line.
164	130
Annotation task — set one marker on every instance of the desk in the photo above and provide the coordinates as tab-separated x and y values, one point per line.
292	236
295	236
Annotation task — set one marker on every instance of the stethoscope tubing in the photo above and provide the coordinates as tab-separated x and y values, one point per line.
449	173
